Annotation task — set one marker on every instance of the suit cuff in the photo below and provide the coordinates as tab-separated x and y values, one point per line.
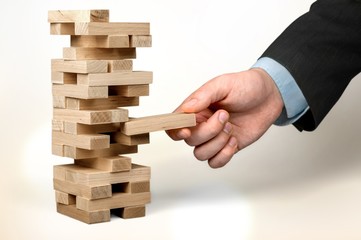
295	104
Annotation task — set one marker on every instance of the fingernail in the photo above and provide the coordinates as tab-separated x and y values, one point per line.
227	128
223	117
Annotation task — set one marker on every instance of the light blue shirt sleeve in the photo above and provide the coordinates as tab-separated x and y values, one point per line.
295	104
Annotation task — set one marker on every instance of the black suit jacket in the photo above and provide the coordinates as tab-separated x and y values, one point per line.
322	51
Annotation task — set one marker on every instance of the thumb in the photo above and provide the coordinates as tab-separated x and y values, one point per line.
211	92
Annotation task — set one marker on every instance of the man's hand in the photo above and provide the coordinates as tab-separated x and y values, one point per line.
233	111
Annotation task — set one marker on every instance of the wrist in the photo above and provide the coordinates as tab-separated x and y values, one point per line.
273	99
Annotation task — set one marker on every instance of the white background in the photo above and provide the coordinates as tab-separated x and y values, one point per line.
288	185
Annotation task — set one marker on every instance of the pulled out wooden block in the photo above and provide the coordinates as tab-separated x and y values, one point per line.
115	78
81	53
133	140
80	91
64	198
79	66
84	216
113	150
98	104
158	123
62	29
109	164
89	176
108	41
85	141
118	200
130	212
111	28
91	116
71	16
86	191
130	90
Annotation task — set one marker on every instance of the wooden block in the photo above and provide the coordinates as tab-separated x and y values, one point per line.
80	91
133	140
138	187
84	216
112	28
71	16
109	41
91	116
130	212
109	164
118	200
85	141
120	65
59	102
114	150
64	198
130	90
63	78
104	103
140	41
57	125
57	150
90	176
81	53
79	66
86	191
62	29
115	78
78	128
158	123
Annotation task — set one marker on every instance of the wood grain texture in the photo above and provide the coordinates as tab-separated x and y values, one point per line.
133	140
109	164
118	200
78	128
63	78
86	191
108	41
81	53
90	176
62	29
84	216
84	141
79	66
115	78
111	102
91	116
130	212
71	16
114	150
158	123
80	91
112	28
140	41
64	198
120	65
130	90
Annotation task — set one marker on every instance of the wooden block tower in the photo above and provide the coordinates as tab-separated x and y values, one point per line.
91	85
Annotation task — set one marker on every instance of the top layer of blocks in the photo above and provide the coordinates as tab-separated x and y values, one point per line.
92	22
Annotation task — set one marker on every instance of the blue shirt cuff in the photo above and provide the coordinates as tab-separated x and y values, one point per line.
295	104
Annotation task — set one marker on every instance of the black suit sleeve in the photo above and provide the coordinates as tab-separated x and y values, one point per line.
322	51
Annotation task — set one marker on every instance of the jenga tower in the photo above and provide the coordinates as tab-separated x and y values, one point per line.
91	83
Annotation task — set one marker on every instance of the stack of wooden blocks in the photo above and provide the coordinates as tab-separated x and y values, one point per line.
92	84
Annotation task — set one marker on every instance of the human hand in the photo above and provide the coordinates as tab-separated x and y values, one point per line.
232	111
